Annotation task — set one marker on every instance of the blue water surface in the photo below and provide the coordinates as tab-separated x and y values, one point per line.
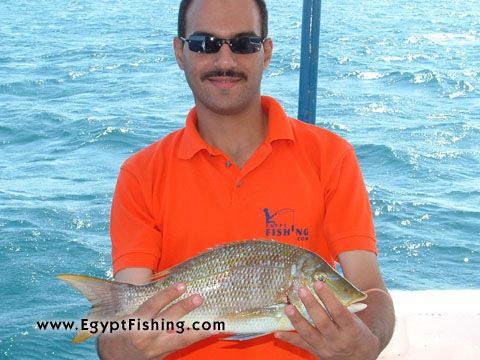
84	84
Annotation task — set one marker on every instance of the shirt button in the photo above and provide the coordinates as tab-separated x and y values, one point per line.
238	183
228	164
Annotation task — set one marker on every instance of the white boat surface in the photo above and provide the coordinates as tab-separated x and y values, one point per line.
435	324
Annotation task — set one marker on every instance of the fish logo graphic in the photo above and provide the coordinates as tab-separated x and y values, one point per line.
269	218
281	223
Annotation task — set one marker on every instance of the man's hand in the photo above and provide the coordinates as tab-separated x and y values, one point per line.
154	344
343	336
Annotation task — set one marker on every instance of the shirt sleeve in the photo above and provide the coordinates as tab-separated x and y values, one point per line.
348	218
136	241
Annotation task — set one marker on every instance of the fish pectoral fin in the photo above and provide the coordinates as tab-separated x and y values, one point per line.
243	337
159	275
274	311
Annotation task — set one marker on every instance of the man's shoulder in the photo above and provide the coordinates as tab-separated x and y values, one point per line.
154	154
320	139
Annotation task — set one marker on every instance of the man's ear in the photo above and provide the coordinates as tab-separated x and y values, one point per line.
178	49
268	49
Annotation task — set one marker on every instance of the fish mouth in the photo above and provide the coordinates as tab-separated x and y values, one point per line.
360	297
352	303
354	295
347	293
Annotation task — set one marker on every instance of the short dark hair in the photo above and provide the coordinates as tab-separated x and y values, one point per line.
182	13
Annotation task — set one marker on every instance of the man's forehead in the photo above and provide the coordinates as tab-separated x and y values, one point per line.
225	18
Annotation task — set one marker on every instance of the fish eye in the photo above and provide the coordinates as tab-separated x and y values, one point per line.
320	276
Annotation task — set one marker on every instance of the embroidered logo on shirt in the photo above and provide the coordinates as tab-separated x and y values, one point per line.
282	223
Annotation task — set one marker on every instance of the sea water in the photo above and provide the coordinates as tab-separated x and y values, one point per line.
85	84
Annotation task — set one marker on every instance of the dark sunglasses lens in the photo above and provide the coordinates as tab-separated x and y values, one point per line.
196	43
246	45
210	45
203	44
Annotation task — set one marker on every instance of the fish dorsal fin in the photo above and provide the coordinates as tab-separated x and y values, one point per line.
159	275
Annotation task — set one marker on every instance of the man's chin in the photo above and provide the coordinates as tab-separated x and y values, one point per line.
227	107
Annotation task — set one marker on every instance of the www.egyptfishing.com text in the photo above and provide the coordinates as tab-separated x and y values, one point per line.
110	326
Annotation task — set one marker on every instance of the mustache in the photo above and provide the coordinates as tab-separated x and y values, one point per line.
224	73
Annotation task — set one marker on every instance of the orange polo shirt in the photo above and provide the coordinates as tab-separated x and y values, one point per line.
180	196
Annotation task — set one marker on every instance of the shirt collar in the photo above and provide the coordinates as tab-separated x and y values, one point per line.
279	128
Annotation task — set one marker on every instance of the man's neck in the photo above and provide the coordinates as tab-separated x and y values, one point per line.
238	135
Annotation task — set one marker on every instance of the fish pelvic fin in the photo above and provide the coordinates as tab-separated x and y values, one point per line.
273	314
243	337
102	294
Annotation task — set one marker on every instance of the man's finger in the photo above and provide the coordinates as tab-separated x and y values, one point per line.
150	308
339	313
182	308
318	314
308	332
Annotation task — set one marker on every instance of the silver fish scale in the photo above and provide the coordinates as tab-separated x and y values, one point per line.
241	277
237	277
133	296
238	254
241	289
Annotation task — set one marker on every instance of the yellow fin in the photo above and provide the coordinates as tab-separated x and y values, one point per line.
102	294
81	335
90	287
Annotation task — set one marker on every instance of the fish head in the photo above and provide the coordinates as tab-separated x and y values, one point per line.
313	268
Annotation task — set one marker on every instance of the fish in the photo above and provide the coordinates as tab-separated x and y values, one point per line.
245	284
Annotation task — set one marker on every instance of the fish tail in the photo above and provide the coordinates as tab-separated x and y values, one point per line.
102	294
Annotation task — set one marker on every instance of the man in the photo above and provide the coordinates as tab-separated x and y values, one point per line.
242	169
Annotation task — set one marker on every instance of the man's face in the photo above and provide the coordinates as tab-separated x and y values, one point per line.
224	83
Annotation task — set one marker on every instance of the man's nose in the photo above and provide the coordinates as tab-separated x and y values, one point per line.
225	57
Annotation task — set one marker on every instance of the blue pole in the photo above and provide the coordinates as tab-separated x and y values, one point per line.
307	102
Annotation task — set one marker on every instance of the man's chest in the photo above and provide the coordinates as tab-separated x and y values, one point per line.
202	206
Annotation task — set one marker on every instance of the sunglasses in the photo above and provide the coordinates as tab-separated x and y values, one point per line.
205	44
